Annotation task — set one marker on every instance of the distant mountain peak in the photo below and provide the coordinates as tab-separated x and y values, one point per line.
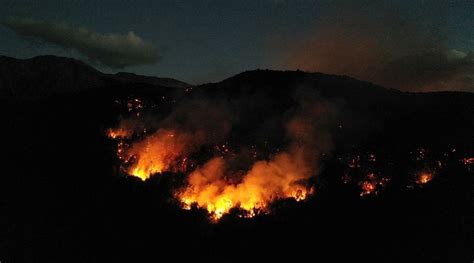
46	75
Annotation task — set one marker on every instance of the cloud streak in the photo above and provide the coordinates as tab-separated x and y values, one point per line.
112	50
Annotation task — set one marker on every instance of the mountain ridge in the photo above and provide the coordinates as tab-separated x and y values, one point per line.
43	76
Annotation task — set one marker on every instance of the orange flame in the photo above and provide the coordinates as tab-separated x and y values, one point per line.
266	181
157	153
367	188
216	186
371	184
118	133
424	177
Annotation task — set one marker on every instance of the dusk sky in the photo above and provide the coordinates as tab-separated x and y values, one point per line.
237	131
207	41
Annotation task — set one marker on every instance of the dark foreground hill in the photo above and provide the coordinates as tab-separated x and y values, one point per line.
64	200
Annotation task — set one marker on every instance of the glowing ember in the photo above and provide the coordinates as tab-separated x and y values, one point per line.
355	162
118	133
424	177
279	178
467	161
372	158
367	188
222	149
134	104
346	178
371	184
420	154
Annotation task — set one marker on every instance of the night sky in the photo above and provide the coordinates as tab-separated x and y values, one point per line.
206	41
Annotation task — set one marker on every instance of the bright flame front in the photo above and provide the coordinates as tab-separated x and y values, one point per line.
266	181
156	153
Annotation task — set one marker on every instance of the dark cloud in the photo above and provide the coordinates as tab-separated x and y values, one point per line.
385	48
112	50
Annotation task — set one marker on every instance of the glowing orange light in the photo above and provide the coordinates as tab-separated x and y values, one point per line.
371	184
156	153
367	188
266	181
467	161
118	133
424	177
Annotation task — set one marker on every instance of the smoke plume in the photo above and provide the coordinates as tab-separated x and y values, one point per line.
203	137
385	48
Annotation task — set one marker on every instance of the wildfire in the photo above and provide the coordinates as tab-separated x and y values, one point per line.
371	184
214	186
118	133
424	177
156	153
279	178
367	187
230	175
